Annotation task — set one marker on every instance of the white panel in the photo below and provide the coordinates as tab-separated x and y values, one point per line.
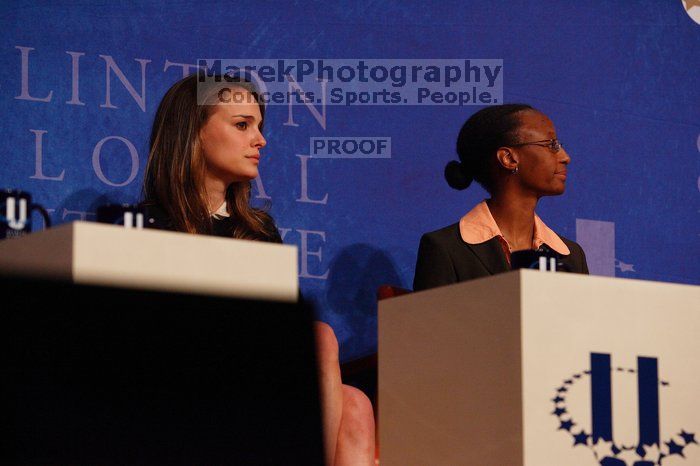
565	318
112	255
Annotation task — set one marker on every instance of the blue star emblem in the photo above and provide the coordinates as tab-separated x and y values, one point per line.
641	451
675	449
606	452
566	425
688	437
581	438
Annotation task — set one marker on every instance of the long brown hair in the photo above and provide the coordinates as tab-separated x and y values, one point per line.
174	178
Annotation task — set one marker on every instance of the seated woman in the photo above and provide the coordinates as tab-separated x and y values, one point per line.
513	152
202	159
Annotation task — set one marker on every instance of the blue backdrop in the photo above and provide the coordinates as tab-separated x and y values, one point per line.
619	80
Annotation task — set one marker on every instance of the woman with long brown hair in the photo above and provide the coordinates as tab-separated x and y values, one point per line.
204	151
201	161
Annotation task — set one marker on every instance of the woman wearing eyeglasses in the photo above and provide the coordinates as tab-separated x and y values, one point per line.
513	152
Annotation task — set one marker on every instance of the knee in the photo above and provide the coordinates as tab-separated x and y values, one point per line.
358	417
326	343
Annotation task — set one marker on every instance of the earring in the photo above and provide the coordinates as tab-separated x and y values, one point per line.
515	170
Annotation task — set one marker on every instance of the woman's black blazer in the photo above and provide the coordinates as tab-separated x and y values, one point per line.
444	258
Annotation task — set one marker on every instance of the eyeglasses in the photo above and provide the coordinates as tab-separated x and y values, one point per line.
553	144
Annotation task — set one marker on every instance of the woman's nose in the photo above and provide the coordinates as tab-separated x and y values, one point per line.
259	141
565	158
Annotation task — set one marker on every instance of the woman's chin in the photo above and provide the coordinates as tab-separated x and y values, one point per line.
558	191
244	177
553	191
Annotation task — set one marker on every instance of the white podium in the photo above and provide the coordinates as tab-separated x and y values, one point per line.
110	255
537	369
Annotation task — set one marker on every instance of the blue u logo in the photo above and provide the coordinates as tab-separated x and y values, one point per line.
601	399
16	220
650	450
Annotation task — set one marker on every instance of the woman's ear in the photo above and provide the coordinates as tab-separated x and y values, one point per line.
507	158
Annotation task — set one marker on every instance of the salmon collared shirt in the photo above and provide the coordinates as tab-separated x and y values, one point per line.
478	226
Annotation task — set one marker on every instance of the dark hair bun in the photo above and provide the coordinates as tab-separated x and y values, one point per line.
456	177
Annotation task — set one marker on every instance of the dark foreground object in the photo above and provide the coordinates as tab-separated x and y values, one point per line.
101	376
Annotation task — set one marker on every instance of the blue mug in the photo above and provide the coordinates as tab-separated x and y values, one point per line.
127	215
16	213
543	259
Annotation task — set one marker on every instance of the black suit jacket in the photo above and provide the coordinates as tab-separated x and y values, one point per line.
444	258
157	217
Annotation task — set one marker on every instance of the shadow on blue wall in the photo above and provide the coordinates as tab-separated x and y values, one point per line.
351	295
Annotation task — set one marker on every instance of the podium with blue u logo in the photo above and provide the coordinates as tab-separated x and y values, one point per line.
538	368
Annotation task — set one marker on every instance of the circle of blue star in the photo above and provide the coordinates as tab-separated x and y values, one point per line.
581	437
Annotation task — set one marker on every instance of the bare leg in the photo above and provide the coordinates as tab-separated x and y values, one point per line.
356	436
331	387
